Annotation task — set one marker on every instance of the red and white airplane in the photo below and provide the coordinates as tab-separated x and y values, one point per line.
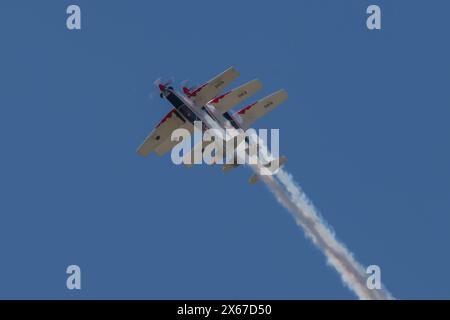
207	105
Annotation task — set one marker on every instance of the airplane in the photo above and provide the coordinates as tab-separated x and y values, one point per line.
206	104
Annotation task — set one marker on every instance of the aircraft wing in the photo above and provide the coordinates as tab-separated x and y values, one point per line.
168	144
161	133
248	115
230	99
212	88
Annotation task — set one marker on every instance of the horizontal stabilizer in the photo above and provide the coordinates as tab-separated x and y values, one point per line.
229	167
253	179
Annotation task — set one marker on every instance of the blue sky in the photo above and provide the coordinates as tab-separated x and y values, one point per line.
365	129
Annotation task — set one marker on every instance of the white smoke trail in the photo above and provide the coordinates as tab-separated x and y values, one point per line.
291	196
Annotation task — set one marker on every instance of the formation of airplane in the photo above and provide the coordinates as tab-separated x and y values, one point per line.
206	104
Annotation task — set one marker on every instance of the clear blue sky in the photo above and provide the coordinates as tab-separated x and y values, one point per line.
366	129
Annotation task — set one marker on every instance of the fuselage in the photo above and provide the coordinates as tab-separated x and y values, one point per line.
206	114
180	106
